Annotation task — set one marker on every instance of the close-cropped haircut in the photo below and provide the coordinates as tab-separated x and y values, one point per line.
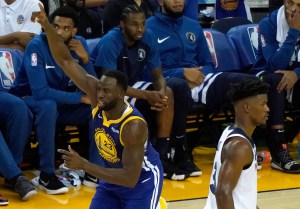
121	78
247	88
131	9
65	11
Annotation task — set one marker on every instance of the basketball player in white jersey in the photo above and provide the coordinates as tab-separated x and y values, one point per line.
233	183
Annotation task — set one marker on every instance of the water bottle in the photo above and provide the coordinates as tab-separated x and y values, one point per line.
263	157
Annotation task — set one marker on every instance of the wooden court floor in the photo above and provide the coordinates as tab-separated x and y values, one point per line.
277	190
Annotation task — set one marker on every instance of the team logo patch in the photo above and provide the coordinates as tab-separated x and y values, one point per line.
33	59
253	36
190	37
263	41
106	146
7	73
20	19
141	54
211	47
89	30
229	5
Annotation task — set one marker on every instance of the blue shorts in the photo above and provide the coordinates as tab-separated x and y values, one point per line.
145	195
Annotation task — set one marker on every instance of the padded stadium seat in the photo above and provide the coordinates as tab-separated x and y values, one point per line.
222	50
223	25
245	39
92	43
10	61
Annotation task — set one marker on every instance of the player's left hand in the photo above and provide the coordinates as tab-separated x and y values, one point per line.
288	80
72	159
78	48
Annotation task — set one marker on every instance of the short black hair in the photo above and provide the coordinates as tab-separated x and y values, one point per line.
247	88
65	11
131	9
121	78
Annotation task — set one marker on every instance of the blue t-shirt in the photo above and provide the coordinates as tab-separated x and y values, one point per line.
112	53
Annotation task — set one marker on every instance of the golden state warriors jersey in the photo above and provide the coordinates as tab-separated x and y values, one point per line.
107	136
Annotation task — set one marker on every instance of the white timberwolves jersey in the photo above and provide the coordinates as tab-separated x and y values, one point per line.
245	192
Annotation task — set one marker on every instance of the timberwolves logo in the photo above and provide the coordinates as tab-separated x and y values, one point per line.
229	5
106	146
190	37
20	19
89	30
141	55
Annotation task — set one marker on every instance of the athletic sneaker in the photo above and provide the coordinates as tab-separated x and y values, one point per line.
51	185
90	181
285	163
3	201
185	162
172	172
23	186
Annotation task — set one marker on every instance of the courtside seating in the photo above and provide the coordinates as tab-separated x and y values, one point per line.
10	61
223	51
245	39
224	24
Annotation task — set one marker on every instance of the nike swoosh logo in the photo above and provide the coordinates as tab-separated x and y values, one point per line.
125	57
49	66
93	179
162	40
44	183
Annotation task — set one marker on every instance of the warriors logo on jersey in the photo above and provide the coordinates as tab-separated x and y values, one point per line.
106	146
229	4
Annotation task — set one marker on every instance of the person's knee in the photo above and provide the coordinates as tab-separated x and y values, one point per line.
178	85
47	110
169	94
272	79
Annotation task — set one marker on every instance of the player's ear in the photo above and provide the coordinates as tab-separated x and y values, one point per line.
246	107
122	95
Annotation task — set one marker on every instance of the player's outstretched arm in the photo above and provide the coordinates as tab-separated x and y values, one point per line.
63	58
134	135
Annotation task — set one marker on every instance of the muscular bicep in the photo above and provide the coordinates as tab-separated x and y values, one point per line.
236	155
133	136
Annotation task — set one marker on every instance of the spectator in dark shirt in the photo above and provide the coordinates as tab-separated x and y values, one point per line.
113	10
89	26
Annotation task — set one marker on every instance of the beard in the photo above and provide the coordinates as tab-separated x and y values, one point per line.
172	13
110	106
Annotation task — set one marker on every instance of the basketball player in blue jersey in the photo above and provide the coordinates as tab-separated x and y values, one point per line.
132	176
233	182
